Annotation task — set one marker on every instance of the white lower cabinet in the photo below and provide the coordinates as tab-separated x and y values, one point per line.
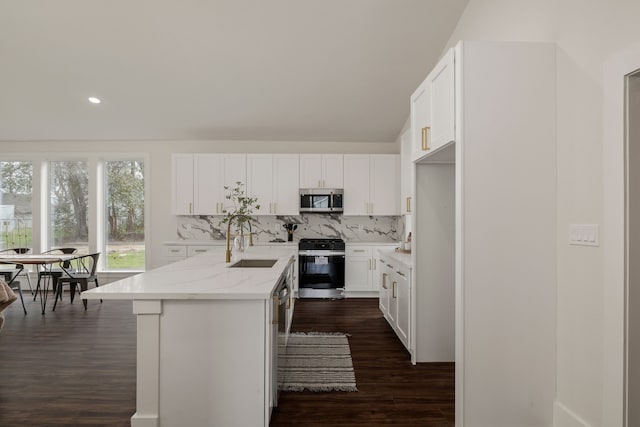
395	297
401	296
173	253
361	269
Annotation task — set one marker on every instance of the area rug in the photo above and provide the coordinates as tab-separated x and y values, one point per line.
317	361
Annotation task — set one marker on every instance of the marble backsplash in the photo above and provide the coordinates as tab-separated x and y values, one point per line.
349	228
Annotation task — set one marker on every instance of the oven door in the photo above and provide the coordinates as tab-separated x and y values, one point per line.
321	270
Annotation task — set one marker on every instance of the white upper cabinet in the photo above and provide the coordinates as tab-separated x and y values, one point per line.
371	184
182	184
207	187
321	171
356	184
433	108
199	180
273	179
407	173
260	181
384	190
286	187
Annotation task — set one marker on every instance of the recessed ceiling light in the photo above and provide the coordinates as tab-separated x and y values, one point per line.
94	100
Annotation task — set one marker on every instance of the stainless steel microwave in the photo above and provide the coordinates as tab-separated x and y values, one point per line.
321	200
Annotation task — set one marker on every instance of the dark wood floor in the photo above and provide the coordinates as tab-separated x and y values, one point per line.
74	368
391	391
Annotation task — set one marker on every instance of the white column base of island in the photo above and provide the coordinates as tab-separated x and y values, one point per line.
206	340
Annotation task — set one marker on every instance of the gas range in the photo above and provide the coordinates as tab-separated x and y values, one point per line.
321	268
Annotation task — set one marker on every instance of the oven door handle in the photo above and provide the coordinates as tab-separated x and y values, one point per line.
321	253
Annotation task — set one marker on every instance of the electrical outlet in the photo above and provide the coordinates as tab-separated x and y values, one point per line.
188	227
360	228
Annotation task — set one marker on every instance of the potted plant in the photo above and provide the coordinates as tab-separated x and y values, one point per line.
240	211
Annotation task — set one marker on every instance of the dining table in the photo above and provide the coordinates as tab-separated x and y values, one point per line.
41	261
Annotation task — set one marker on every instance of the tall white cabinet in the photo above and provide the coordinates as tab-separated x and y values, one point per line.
485	226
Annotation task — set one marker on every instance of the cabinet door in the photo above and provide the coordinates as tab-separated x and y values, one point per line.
286	190
403	298
376	266
260	181
182	184
385	287
407	173
332	171
393	297
356	184
420	119
234	170
384	184
357	273
207	186
442	82
310	171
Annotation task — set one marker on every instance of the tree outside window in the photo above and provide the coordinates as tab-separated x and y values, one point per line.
69	205
15	204
124	202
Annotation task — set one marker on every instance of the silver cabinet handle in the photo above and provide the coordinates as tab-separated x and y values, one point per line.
393	289
358	250
384	280
400	273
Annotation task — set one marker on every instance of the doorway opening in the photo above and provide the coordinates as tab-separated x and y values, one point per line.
632	232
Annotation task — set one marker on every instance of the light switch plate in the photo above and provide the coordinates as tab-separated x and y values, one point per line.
584	234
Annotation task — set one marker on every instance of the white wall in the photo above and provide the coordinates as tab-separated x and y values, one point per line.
634	250
587	34
163	225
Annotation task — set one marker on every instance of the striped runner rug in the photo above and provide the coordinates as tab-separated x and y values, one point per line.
316	361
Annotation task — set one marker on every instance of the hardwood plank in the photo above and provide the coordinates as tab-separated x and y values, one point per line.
72	367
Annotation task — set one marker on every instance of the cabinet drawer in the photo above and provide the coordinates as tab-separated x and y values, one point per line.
196	250
175	251
358	251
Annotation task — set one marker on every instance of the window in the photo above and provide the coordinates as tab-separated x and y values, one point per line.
68	206
124	216
15	204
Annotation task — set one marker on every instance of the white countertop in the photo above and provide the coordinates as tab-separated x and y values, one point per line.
204	276
403	258
222	243
285	243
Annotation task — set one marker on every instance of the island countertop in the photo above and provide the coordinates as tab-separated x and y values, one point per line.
205	276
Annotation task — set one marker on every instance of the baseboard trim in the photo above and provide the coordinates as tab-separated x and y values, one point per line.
565	417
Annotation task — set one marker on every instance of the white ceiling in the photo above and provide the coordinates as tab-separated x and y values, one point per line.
312	70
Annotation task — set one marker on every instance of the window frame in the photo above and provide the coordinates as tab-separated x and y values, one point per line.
96	198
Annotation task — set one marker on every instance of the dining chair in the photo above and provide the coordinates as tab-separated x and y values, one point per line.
9	278
19	267
82	272
54	273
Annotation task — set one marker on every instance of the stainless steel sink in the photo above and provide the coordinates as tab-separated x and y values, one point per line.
254	263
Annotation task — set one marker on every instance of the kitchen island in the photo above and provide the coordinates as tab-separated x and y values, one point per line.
206	338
